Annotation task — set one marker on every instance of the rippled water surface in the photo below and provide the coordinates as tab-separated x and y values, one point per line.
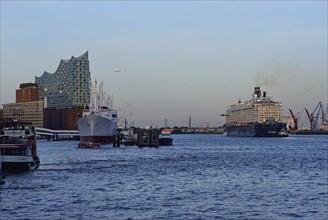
200	177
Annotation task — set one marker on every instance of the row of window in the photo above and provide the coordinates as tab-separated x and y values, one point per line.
72	72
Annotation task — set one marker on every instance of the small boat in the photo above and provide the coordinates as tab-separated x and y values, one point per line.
129	141
129	138
90	145
165	137
18	146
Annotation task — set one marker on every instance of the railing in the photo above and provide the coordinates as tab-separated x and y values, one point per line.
56	134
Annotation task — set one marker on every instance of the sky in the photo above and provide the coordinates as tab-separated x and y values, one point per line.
177	59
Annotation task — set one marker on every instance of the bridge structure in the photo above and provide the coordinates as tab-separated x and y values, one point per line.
55	135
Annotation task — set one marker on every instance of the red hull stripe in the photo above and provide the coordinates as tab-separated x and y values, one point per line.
97	139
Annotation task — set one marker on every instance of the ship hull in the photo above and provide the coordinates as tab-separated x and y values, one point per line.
17	167
166	141
258	130
17	163
18	154
94	128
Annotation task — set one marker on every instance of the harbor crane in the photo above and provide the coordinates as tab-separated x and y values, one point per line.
325	116
314	117
295	120
124	112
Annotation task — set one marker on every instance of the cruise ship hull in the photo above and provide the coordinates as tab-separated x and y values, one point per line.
258	130
96	129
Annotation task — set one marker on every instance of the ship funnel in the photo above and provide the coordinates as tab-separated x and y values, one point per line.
264	94
257	92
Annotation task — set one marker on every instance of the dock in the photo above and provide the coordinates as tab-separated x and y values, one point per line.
57	135
148	137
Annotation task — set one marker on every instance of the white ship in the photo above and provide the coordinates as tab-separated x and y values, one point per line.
258	117
98	123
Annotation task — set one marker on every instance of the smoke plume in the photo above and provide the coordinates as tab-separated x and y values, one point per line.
267	80
275	76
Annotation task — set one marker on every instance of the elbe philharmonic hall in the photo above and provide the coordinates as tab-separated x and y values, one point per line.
56	100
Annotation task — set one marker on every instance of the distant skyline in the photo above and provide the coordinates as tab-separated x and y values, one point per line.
173	59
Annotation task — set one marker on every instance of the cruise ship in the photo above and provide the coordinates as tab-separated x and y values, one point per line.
258	117
98	123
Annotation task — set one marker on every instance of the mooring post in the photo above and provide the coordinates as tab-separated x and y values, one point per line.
114	141
118	140
150	133
156	138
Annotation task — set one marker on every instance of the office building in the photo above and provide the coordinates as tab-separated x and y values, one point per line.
27	92
25	111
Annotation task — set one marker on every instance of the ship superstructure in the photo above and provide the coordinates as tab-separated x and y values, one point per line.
260	116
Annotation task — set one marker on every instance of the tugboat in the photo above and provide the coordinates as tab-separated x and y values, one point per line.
129	137
18	146
165	137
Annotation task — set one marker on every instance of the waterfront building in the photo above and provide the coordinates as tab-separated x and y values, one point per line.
68	86
324	127
27	92
61	119
25	111
28	106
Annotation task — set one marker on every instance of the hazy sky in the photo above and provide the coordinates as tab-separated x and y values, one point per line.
178	58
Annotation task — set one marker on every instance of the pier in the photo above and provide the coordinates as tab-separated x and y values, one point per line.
117	139
148	137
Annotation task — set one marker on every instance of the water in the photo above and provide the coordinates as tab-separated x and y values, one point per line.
200	177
